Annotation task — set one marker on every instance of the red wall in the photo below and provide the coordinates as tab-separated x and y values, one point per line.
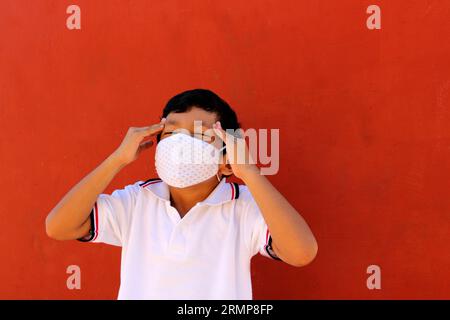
363	118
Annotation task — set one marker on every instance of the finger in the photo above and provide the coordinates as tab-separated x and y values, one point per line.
227	139
236	145
153	129
146	144
222	134
156	125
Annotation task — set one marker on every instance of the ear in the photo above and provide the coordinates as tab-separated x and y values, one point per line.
224	167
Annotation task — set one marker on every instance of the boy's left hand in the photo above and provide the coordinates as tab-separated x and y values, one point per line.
238	155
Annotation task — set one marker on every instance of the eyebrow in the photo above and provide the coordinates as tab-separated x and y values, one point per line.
171	121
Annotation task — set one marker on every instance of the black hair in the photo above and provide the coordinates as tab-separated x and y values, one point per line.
203	99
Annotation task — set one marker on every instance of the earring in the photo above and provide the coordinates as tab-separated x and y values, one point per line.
217	176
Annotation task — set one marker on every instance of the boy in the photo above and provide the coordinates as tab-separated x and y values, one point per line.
188	234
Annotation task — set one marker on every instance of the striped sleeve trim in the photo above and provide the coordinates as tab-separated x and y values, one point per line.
93	232
234	190
268	247
149	182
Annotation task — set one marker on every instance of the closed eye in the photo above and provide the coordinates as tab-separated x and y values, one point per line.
204	137
201	136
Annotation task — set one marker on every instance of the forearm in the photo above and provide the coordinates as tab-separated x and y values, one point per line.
65	221
293	239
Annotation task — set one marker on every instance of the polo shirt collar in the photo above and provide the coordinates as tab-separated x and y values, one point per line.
223	192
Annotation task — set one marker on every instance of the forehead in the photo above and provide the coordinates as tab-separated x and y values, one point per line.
186	119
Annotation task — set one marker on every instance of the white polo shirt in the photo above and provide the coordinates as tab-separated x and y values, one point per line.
204	255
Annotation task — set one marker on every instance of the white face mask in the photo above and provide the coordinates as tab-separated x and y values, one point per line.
182	161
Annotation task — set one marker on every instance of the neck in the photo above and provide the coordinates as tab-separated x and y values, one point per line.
183	199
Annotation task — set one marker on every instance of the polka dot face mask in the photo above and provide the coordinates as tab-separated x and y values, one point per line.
182	161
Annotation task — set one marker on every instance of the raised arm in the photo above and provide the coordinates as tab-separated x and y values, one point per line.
293	240
69	219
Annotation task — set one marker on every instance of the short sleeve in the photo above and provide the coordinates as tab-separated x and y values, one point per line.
110	215
259	237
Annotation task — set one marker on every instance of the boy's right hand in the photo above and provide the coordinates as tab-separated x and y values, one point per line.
133	143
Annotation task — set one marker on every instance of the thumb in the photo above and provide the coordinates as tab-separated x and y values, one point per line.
219	131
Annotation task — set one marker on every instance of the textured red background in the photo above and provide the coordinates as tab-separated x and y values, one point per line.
363	118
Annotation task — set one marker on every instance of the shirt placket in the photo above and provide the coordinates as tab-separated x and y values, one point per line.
177	244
